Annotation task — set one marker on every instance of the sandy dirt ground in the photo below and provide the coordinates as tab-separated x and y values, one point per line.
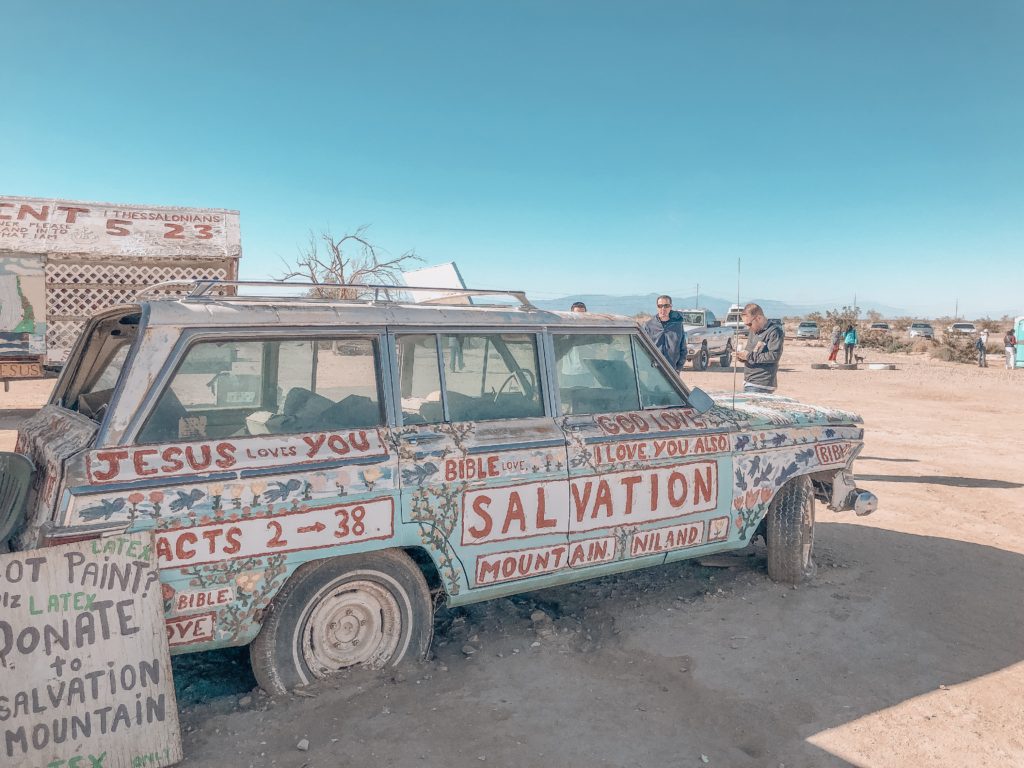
906	650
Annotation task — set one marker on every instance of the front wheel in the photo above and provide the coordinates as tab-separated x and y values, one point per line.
368	610
701	359
789	533
726	359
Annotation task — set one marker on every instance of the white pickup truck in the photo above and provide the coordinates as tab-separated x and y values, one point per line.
706	337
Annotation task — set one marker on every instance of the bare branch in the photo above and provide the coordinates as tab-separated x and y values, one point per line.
349	260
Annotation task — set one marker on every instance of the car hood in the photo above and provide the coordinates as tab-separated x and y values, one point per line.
750	411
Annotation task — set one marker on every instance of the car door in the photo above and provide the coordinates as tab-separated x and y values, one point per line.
649	477
483	470
294	465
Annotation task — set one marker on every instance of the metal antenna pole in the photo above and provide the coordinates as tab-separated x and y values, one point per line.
739	264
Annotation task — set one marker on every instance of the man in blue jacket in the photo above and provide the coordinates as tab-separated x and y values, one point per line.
666	331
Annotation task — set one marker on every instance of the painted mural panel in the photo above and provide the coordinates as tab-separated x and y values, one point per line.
41	225
22	306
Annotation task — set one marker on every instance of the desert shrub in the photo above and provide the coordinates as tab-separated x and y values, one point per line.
843	318
886	342
922	346
955	348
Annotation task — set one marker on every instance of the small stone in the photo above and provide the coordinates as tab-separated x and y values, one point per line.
705	759
303	745
535	644
943	688
538	616
245	701
468	649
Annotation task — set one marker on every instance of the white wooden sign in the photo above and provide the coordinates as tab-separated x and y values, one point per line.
85	674
37	225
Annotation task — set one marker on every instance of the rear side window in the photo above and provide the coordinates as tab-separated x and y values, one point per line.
239	388
487	377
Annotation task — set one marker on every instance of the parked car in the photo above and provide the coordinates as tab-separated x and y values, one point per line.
923	330
734	320
808	329
883	327
706	338
962	329
318	475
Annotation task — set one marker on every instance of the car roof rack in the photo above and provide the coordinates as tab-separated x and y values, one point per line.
211	290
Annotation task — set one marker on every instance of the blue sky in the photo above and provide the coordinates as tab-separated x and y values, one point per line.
562	147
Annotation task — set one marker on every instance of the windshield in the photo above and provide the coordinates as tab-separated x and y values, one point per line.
693	318
808	325
920	325
964	326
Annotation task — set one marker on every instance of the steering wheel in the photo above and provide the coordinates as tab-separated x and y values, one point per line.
531	383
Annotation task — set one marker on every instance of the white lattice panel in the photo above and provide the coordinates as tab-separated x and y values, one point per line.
92	273
61	336
77	290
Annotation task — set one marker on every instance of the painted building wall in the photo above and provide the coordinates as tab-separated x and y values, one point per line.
62	260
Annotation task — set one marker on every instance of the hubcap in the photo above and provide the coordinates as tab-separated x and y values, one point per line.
359	623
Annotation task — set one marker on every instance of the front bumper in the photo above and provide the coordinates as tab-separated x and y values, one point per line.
846	496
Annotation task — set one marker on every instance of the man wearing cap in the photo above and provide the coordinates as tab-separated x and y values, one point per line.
763	352
667	333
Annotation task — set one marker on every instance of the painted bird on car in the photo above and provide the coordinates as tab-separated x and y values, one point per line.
105	509
186	500
283	490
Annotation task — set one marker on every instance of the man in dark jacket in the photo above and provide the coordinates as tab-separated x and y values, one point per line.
763	352
666	331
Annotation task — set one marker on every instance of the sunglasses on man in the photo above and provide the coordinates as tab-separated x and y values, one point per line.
664	306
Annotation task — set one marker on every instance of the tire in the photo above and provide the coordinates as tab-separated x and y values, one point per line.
726	359
329	608
789	533
701	360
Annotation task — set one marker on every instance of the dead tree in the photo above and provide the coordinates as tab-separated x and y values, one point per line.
351	259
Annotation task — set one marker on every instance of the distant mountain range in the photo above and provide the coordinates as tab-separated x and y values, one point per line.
632	305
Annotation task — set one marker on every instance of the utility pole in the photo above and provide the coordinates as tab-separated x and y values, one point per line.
956	309
698	295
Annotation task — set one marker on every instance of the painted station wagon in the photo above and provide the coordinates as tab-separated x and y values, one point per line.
318	475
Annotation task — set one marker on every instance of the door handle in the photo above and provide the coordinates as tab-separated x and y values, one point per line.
427	437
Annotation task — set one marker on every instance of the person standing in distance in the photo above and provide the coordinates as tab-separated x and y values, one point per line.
667	333
579	307
763	352
1010	345
849	342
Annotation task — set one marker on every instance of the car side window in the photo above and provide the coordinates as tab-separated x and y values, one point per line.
656	391
419	379
491	376
595	373
238	388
